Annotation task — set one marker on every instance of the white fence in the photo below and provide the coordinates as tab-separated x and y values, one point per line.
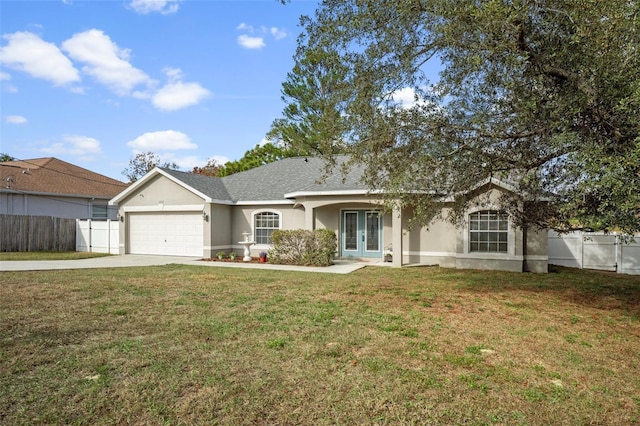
590	250
98	236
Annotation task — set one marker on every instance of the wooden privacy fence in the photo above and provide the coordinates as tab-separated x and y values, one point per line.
37	233
591	250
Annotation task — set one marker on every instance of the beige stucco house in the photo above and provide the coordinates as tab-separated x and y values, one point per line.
177	213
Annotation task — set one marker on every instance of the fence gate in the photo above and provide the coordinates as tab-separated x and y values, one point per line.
599	252
98	236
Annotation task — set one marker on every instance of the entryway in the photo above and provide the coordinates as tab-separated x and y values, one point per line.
361	233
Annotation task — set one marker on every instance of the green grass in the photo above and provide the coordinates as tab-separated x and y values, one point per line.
201	345
49	255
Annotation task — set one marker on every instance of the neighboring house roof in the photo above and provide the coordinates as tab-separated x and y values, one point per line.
53	176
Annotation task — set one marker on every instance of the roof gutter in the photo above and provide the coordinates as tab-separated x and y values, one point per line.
328	193
52	194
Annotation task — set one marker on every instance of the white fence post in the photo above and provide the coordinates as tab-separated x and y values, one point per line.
618	245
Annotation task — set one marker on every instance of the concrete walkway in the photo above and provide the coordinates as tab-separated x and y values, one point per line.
131	260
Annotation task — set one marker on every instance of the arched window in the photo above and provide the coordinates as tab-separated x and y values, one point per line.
488	232
265	223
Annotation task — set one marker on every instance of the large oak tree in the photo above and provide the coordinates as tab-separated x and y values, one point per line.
540	93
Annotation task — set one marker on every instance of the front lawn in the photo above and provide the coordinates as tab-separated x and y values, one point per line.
205	345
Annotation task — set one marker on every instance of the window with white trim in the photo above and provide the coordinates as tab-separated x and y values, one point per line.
488	232
265	223
99	212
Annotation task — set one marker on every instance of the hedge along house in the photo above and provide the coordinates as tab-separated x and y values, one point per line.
176	213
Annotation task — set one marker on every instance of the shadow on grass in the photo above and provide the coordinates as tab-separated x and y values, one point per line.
597	289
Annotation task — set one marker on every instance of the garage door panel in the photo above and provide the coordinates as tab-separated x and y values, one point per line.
178	234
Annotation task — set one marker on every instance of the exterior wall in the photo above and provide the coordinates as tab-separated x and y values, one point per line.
432	245
159	191
51	205
218	233
242	221
326	214
536	258
327	217
512	260
511	264
442	243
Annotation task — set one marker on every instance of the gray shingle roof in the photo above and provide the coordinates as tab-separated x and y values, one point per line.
272	181
209	186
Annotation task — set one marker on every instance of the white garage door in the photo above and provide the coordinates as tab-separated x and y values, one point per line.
177	234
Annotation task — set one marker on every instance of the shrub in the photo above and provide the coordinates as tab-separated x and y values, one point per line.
303	247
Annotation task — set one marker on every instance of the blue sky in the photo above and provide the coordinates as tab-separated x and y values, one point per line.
94	82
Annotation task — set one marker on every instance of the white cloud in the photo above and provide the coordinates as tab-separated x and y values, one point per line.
106	62
5	75
250	42
406	97
15	119
165	7
278	33
243	26
257	42
29	53
82	147
173	74
165	140
176	94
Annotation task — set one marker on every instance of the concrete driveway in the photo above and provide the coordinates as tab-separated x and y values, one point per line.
129	260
